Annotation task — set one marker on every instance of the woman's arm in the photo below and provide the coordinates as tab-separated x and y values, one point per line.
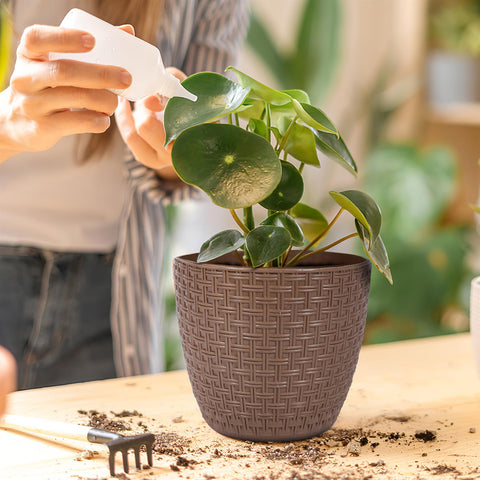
47	100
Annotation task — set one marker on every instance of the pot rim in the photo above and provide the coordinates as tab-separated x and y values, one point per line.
320	260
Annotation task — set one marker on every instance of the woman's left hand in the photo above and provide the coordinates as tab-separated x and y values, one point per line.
143	131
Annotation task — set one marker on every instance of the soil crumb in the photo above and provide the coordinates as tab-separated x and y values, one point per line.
425	435
102	421
169	443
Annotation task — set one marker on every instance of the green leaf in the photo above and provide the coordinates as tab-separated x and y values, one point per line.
314	117
363	207
281	219
220	244
259	127
376	252
311	221
260	90
288	192
300	142
335	149
217	97
299	95
251	108
234	167
266	243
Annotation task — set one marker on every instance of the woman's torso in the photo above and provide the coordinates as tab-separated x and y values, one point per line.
49	199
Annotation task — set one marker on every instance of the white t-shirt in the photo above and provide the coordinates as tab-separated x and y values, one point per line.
48	199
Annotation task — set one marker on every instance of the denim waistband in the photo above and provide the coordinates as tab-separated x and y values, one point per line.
25	251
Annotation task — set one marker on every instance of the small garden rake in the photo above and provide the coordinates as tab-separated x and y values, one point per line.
114	441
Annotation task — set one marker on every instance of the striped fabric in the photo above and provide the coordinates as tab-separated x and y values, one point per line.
195	35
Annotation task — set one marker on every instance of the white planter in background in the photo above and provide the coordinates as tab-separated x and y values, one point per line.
475	320
452	78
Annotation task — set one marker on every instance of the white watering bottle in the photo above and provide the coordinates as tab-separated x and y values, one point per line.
116	47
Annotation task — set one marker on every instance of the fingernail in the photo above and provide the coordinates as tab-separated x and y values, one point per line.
88	41
125	78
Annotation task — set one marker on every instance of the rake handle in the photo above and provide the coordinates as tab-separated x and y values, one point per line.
47	427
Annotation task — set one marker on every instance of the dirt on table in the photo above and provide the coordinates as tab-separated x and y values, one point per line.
177	450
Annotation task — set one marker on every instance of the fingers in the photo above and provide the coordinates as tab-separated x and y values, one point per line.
149	126
51	100
38	40
141	150
155	103
57	73
127	28
144	134
176	73
71	122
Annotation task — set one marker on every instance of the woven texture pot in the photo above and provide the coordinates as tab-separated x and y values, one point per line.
271	352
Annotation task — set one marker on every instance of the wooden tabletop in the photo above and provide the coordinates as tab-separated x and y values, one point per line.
413	412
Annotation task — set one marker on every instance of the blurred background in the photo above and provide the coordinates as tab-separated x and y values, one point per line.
400	78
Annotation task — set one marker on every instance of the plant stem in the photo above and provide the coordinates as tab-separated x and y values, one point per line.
239	222
287	133
237	120
300	168
242	260
343	239
249	223
316	239
285	255
248	218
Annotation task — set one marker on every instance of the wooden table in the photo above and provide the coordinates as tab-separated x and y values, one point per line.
399	389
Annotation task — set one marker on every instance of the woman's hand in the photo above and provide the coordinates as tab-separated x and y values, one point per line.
143	131
47	100
8	377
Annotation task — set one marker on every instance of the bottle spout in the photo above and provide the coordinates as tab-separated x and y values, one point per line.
181	91
171	87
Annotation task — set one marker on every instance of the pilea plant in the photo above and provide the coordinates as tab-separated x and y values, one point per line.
256	157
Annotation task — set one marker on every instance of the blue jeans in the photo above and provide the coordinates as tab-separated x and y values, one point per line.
54	315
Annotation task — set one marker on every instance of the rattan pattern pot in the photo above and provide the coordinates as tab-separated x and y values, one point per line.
271	352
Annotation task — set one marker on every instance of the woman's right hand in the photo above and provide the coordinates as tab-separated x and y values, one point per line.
47	100
8	377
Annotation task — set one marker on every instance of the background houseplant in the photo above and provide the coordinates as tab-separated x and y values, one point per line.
453	66
270	351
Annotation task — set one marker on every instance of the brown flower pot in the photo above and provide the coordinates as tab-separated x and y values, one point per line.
271	352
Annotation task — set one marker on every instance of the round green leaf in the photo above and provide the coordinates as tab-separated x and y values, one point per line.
234	167
217	97
300	142
260	90
334	148
288	192
314	117
363	207
311	221
281	219
376	252
220	244
266	243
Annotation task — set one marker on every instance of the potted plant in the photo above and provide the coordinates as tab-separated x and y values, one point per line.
452	66
271	323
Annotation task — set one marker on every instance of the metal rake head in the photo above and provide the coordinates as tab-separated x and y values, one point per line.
124	444
119	443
